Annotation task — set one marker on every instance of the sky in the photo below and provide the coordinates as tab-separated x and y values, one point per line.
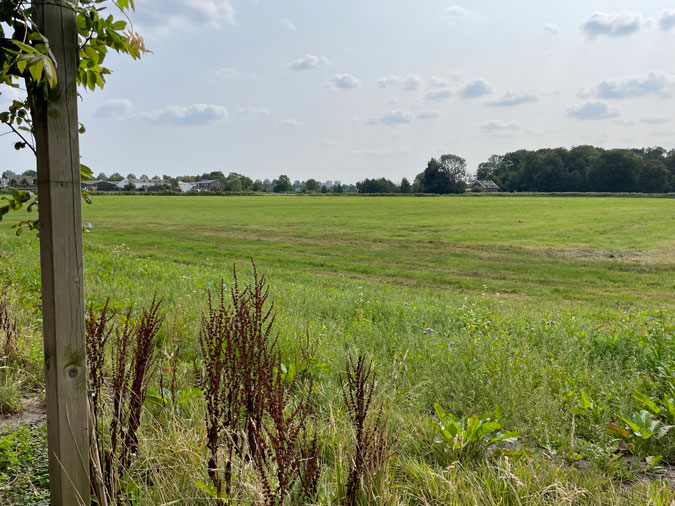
348	89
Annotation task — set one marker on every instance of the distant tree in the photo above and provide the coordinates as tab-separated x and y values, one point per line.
101	176
297	185
13	182
234	185
217	175
144	176
268	185
283	184
487	169
131	176
129	186
338	188
405	186
257	186
445	175
654	177
381	185
311	185
324	189
30	173
614	171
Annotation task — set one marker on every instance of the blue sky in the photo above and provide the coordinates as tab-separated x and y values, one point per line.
372	88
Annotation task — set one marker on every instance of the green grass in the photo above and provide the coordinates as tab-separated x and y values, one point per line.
530	299
550	250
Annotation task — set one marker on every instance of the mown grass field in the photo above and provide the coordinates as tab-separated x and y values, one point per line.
537	249
532	301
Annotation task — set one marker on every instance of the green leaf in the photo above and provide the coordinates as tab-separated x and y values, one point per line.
653	460
36	70
24	47
647	402
439	411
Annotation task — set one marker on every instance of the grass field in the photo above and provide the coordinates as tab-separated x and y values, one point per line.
532	301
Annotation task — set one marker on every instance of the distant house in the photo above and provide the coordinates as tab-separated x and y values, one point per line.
209	185
185	186
4	182
138	183
483	186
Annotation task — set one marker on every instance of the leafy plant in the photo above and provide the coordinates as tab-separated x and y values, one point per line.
469	438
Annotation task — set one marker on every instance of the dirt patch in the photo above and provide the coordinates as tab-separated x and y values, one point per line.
652	257
32	413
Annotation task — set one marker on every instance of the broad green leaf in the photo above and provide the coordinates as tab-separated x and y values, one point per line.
649	404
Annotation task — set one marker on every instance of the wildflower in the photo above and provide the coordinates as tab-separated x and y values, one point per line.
650	318
429	331
552	322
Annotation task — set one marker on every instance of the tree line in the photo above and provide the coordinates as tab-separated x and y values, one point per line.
579	169
583	169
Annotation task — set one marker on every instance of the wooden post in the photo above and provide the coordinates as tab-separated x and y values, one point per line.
58	161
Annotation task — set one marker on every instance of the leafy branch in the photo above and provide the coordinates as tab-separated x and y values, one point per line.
26	55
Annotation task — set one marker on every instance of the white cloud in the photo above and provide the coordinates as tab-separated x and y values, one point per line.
343	82
476	88
428	114
551	28
438	82
456	14
392	118
654	83
288	23
593	110
667	21
497	125
309	61
613	24
195	114
411	82
439	94
253	111
382	152
510	99
164	17
293	123
654	121
115	108
228	74
327	142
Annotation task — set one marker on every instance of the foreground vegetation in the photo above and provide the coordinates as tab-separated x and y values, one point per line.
550	318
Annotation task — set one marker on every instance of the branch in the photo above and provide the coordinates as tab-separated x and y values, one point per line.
22	138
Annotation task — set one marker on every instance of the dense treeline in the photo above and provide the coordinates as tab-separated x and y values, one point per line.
580	169
583	169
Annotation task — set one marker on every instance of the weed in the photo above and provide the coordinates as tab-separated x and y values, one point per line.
468	439
242	382
132	357
372	445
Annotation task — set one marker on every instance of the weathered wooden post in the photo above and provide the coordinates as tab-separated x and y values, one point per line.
58	161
